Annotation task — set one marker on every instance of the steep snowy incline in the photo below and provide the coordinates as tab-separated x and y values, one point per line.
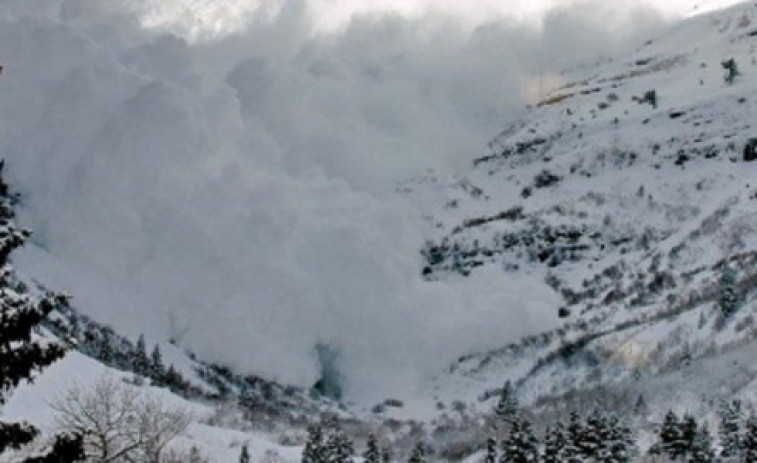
629	190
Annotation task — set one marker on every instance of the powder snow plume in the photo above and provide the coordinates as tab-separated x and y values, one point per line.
238	192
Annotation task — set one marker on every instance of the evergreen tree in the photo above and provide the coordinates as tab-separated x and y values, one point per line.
244	456
669	437
701	449
314	451
386	455
507	407
730	425
90	342
15	435
688	434
555	442
692	442
194	455
520	446
574	434
619	445
491	450
20	354
729	296
158	370
749	443
65	448
418	455
140	361
593	436
683	439
372	452
105	348
175	381
338	448
732	70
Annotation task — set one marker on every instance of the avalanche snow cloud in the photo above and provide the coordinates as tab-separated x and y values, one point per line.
236	192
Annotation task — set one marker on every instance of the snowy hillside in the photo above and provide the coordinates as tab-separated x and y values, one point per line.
221	443
629	191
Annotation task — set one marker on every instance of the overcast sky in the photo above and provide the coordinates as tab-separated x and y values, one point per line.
205	168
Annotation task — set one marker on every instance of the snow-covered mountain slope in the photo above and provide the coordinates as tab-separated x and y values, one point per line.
629	190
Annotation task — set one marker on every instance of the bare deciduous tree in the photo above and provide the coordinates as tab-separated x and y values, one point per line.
158	426
119	423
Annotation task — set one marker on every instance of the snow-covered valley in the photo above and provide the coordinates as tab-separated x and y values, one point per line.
600	255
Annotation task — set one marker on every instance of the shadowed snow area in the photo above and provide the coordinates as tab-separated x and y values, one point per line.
238	191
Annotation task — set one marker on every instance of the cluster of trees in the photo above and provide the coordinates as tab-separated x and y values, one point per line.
683	439
599	437
729	297
103	344
152	367
602	438
22	354
327	443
